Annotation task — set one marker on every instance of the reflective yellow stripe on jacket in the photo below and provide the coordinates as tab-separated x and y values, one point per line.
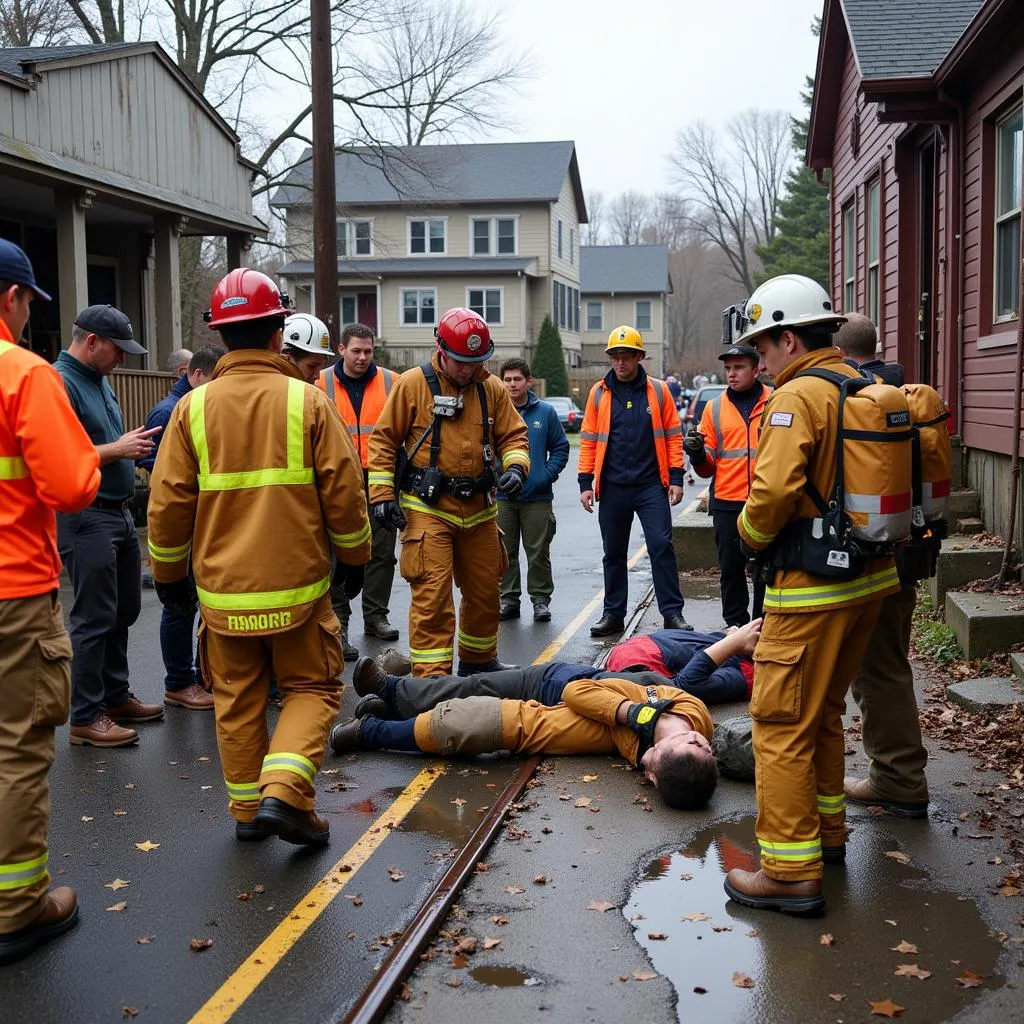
12	467
414	504
826	594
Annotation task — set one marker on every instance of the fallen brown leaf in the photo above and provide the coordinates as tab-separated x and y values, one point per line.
540	880
969	979
753	933
885	1008
657	936
582	801
355	901
643	975
147	846
481	867
86	817
491	943
514	890
120	813
459	802
889	920
467	945
898	856
129	1011
453	982
117	883
1008	890
601	906
911	971
459	962
197	945
905	947
395	874
144	940
827	939
696	916
590	778
721	928
499	919
836	997
118	906
741	980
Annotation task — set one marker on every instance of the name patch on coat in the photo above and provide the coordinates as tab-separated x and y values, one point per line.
780	419
249	623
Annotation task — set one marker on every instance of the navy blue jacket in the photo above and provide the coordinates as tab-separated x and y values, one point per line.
160	416
549	450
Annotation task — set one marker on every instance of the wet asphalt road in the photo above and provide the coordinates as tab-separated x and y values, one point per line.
284	950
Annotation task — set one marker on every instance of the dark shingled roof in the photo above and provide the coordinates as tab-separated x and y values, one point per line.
513	172
905	38
12	58
624	269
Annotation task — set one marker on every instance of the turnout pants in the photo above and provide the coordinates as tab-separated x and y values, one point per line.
378	579
535	523
307	662
884	690
100	549
803	666
35	683
732	564
434	553
615	514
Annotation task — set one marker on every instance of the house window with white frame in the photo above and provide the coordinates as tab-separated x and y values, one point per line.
874	232
428	237
487	303
493	236
642	314
849	256
419	306
355	238
595	315
1006	265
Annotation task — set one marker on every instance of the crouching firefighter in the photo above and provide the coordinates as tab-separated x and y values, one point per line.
829	502
455	436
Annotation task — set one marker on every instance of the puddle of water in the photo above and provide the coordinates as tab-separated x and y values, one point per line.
502	977
873	905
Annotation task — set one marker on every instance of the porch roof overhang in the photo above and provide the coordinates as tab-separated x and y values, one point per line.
42	167
414	266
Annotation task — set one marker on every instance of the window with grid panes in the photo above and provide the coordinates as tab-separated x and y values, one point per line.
1006	263
874	232
486	302
419	306
427	237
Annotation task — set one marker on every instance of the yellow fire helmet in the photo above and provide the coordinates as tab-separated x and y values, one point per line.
625	337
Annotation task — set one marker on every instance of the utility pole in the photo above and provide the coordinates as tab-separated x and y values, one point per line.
325	224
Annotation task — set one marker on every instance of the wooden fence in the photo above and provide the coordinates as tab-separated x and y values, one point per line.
138	391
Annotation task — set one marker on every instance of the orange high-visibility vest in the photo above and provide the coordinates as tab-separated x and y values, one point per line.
361	426
597	421
47	463
730	446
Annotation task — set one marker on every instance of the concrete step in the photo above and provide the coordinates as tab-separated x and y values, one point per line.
963	505
1017	664
693	538
960	561
984	623
989	695
968	526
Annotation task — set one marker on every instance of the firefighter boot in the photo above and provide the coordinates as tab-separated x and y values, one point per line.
349	652
755	889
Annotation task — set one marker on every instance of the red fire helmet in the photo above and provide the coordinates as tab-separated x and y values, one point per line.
464	336
245	294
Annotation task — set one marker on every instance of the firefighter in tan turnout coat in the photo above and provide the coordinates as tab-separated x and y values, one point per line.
256	478
444	504
821	603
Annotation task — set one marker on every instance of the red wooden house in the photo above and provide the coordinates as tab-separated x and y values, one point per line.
918	113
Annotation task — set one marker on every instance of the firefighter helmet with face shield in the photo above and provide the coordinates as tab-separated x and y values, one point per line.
788	301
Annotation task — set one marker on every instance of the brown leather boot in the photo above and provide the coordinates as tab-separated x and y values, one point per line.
861	791
193	697
102	732
60	912
133	710
304	828
756	889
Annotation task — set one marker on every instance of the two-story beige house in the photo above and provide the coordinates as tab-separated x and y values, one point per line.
624	284
494	227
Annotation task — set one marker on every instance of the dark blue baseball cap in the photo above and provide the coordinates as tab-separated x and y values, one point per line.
16	268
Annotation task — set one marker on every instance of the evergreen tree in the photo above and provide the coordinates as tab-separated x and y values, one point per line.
800	245
549	359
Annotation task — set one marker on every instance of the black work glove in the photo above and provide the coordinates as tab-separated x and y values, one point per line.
179	596
510	483
388	514
693	445
349	577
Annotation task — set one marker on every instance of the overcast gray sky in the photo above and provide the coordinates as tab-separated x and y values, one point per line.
620	78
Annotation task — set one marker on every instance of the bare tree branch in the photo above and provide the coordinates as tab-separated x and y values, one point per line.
592	233
628	214
35	22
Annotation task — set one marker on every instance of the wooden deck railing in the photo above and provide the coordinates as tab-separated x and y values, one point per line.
138	391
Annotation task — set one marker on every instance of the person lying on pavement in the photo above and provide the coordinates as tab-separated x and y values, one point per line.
716	667
661	730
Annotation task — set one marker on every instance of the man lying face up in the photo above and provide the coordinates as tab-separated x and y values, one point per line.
661	730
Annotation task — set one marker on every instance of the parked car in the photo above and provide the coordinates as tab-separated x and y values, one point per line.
569	413
695	409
